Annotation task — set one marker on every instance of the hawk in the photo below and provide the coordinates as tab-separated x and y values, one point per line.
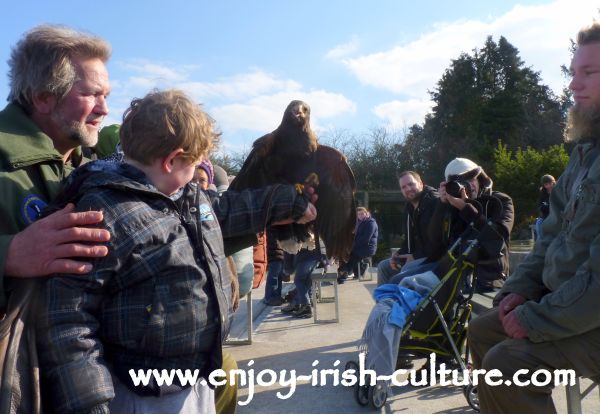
291	154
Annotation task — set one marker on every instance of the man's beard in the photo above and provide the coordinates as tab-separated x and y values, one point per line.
583	124
78	133
75	131
415	198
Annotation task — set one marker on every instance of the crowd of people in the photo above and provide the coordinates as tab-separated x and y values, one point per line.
119	262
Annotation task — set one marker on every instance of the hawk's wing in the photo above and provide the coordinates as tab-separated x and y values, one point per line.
336	205
255	171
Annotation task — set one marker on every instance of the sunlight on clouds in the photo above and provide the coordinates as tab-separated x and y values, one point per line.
343	50
252	101
240	86
540	33
264	113
413	68
156	71
400	114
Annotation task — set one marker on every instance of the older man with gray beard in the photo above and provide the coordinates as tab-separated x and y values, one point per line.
547	313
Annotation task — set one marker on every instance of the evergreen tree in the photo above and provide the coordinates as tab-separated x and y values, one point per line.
484	97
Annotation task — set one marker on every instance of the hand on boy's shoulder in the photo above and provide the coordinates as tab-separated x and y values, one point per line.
55	243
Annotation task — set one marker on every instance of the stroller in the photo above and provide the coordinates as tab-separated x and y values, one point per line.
439	322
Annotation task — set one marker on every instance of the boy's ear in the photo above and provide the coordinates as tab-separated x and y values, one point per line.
169	160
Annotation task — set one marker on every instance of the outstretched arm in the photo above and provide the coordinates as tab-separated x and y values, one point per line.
250	211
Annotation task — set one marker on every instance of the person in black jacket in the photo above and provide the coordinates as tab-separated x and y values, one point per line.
476	203
548	183
421	201
363	247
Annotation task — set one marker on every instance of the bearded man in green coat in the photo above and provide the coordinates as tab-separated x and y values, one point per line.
57	101
547	313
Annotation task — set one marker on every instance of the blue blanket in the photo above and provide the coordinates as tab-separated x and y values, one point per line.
405	301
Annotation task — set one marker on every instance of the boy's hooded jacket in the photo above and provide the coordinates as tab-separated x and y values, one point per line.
161	298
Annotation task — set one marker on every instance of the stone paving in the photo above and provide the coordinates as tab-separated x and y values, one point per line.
285	343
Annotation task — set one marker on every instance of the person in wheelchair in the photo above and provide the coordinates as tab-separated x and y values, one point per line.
466	197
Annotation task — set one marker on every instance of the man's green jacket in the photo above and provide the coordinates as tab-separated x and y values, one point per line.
561	276
31	171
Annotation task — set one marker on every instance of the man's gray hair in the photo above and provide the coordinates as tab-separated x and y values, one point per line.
42	62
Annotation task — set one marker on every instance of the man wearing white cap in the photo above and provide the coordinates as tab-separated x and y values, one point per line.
466	197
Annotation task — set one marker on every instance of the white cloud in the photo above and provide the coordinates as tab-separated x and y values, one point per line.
541	33
400	114
413	68
240	86
263	113
158	72
251	102
343	50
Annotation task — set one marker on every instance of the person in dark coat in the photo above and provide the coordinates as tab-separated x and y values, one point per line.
363	247
548	183
415	245
474	203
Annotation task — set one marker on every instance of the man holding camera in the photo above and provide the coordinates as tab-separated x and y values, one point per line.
467	197
420	204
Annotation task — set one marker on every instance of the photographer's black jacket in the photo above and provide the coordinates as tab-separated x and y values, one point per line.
448	223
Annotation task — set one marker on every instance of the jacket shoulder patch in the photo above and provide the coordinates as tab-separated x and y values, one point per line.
31	208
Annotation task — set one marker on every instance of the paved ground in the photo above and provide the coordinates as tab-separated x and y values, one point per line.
284	343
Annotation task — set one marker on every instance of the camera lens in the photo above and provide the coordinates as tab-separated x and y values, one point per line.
453	188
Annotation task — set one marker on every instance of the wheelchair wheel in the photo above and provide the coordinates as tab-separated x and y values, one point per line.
470	392
378	395
361	394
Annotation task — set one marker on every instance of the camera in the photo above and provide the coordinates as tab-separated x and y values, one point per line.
453	188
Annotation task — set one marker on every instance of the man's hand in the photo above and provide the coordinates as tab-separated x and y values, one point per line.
395	260
46	245
508	303
310	213
442	192
311	194
513	327
399	260
407	257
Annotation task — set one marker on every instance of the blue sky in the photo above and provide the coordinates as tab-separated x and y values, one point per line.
358	64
